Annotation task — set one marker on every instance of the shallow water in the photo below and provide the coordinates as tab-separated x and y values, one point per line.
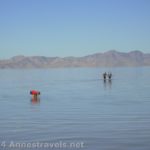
76	110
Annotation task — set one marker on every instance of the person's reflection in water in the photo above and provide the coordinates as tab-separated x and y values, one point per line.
107	83
104	81
35	99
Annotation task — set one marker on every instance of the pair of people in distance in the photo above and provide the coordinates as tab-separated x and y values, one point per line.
107	75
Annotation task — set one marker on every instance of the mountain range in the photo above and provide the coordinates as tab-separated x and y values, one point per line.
110	58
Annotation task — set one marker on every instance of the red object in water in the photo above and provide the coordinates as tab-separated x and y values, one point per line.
34	92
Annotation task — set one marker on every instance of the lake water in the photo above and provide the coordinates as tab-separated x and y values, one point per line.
76	110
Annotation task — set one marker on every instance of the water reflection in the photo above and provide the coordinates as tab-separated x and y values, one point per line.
35	100
107	84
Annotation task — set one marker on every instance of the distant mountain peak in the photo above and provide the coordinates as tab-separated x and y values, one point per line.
111	58
112	51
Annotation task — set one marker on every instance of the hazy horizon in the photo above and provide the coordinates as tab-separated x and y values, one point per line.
102	52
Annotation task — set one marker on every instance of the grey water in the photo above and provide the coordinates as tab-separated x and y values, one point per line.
76	109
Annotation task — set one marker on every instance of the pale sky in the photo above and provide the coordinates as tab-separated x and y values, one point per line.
73	27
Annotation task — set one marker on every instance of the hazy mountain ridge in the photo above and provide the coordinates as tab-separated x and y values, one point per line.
108	59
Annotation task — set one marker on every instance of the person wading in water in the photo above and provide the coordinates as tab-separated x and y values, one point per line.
109	76
104	75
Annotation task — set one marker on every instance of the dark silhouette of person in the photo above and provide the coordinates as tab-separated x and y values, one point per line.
109	76
104	75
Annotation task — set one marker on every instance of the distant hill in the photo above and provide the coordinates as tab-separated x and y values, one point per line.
108	59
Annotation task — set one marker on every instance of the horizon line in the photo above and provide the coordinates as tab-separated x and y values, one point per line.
112	50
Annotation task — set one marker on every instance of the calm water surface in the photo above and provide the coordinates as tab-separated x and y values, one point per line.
76	107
